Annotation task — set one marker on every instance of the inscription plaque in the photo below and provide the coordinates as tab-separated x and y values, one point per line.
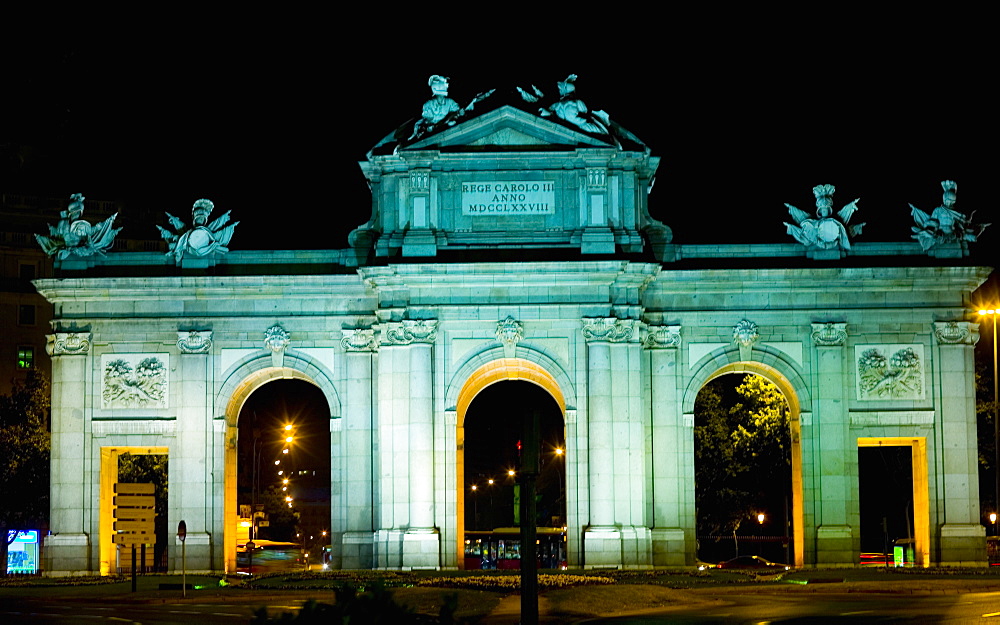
508	197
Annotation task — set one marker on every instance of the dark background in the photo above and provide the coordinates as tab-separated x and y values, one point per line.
268	115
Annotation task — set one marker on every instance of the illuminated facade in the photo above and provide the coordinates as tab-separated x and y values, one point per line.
513	246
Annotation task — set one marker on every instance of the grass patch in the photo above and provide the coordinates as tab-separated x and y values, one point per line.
472	604
607	600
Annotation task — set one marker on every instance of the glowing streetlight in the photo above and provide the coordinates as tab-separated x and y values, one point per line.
993	313
510	472
490	481
559	451
474	487
288	427
760	518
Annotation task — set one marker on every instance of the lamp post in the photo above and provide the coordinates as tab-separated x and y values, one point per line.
993	520
993	312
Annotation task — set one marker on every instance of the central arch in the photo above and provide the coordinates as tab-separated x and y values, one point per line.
794	391
493	372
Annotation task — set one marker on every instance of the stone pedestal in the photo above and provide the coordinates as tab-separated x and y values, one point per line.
357	550
835	546
597	241
197	550
962	545
669	547
67	554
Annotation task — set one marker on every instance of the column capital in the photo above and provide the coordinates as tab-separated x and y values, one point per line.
194	341
409	331
956	332
359	340
662	337
67	343
831	334
610	329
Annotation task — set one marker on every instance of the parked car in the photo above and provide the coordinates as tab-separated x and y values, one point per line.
753	562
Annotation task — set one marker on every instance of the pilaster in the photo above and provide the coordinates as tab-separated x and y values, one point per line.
673	531
190	474
353	523
835	453
962	537
70	545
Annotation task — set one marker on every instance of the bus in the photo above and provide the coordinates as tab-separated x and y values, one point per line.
501	548
268	556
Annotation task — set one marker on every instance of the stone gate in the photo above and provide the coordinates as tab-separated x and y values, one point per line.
510	239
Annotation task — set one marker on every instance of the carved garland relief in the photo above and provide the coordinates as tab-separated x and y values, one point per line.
889	372
134	381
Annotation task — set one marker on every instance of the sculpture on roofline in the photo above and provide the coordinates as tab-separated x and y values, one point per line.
945	225
202	238
73	236
570	108
440	109
826	232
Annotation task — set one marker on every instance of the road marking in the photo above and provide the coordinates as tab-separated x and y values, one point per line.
991	614
856	612
228	614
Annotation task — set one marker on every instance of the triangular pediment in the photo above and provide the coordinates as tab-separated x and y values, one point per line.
508	128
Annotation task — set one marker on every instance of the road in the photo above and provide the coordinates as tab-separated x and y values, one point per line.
71	612
819	609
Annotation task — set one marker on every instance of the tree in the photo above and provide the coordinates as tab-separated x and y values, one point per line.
24	470
281	519
742	452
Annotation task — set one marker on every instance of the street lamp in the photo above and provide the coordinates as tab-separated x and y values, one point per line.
993	312
760	518
993	520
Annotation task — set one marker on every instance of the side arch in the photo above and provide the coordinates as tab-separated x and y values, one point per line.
239	382
253	371
774	367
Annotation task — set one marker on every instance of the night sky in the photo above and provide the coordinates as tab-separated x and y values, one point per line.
272	127
269	115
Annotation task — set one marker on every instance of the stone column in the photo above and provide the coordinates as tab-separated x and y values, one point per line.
962	539
835	453
609	439
189	498
407	537
673	533
68	549
356	471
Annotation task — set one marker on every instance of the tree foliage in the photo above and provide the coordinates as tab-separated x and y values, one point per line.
280	518
742	452
24	468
